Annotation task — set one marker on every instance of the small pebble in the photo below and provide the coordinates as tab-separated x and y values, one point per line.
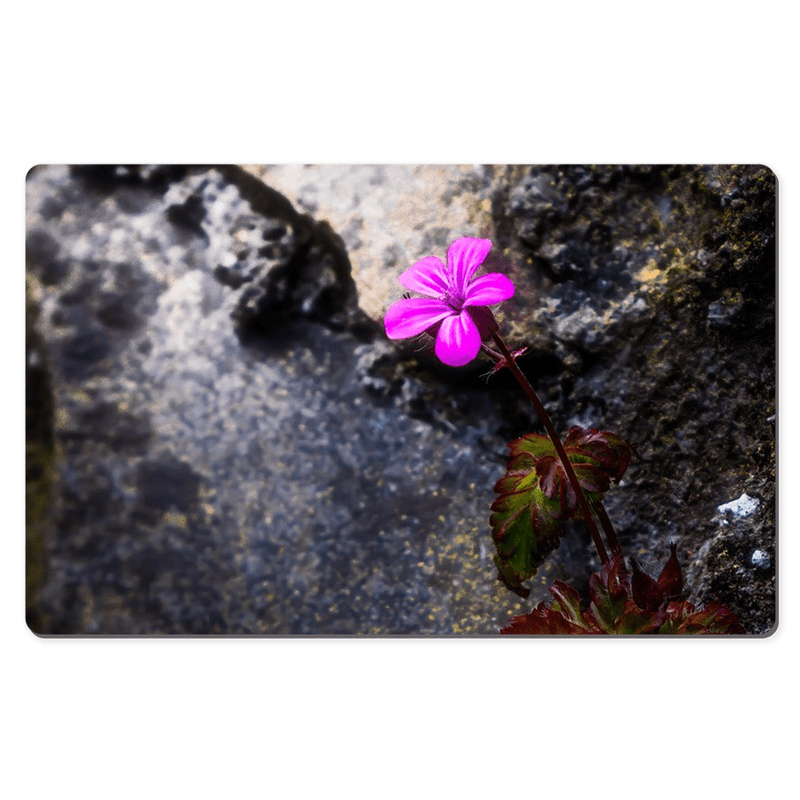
743	507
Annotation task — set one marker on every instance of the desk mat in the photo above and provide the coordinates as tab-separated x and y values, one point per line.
400	400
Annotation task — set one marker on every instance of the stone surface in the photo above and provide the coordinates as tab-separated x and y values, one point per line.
388	215
647	297
235	447
214	476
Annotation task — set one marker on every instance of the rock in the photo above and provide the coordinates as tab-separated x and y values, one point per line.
229	460
240	450
654	287
389	216
744	506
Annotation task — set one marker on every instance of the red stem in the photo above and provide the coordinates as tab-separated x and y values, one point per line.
554	438
611	534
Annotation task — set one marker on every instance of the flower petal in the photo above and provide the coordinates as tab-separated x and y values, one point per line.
488	290
428	276
408	318
464	256
458	341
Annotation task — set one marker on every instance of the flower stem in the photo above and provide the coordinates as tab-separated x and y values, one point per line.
611	534
562	453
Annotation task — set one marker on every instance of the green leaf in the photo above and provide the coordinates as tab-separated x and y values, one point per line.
597	457
567	601
536	496
536	444
524	528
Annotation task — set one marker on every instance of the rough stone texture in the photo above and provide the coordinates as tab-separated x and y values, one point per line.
238	449
229	458
647	296
389	216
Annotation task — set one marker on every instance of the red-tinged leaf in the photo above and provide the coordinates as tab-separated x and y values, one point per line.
615	577
542	622
635	620
535	444
514	481
535	496
646	593
593	479
524	625
606	449
555	485
605	612
677	612
597	458
715	618
609	592
524	529
566	600
561	615
670	581
613	611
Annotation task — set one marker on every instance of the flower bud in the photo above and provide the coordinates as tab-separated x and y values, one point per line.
670	581
646	593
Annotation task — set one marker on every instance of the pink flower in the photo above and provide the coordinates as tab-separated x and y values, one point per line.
456	308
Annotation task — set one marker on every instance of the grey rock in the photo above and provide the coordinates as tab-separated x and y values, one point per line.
229	460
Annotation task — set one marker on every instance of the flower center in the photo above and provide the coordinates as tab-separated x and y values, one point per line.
454	300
